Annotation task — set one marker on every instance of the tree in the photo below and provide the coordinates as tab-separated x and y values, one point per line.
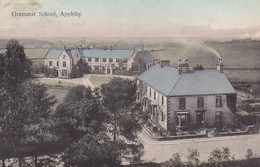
118	98
80	124
24	121
16	67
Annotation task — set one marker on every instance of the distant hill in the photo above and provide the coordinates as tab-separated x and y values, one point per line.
27	43
237	53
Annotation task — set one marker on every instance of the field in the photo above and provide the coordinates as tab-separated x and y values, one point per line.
97	81
234	55
245	54
243	75
195	54
59	95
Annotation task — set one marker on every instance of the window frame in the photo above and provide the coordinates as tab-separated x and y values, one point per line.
200	102
219	101
182	103
50	63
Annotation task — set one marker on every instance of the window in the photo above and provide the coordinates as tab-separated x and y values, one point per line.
154	111
64	64
150	92
50	63
64	56
104	60
110	60
182	120
162	101
64	73
200	102
145	102
218	101
117	60
162	116
154	95
58	63
145	89
89	59
218	119
138	95
96	59
182	103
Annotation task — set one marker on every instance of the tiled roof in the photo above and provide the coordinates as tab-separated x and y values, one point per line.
167	81
146	57
108	53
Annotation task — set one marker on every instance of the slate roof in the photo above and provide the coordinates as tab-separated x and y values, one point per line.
108	53
167	81
92	53
146	57
53	53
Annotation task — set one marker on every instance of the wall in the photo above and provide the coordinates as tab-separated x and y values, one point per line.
68	67
209	106
161	109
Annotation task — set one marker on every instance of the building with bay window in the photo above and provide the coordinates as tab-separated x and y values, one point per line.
181	99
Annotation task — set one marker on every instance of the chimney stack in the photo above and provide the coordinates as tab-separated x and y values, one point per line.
156	61
220	65
183	66
165	63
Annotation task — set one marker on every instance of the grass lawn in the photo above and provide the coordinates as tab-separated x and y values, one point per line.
97	81
60	82
59	95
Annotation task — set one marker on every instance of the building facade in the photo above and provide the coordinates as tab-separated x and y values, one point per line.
102	60
182	99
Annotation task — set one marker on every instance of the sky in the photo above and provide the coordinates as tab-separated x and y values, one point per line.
132	18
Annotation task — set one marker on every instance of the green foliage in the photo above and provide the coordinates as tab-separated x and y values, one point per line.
92	150
220	155
118	97
80	124
249	154
175	161
79	114
24	121
193	157
14	66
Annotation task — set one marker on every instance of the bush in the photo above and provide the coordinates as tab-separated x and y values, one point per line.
155	129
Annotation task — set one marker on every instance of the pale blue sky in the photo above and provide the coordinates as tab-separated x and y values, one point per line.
136	18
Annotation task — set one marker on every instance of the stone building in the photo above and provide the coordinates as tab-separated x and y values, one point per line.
183	99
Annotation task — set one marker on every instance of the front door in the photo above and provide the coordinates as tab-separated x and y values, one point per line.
200	119
108	70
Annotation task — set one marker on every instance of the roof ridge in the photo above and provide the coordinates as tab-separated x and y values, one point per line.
175	83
